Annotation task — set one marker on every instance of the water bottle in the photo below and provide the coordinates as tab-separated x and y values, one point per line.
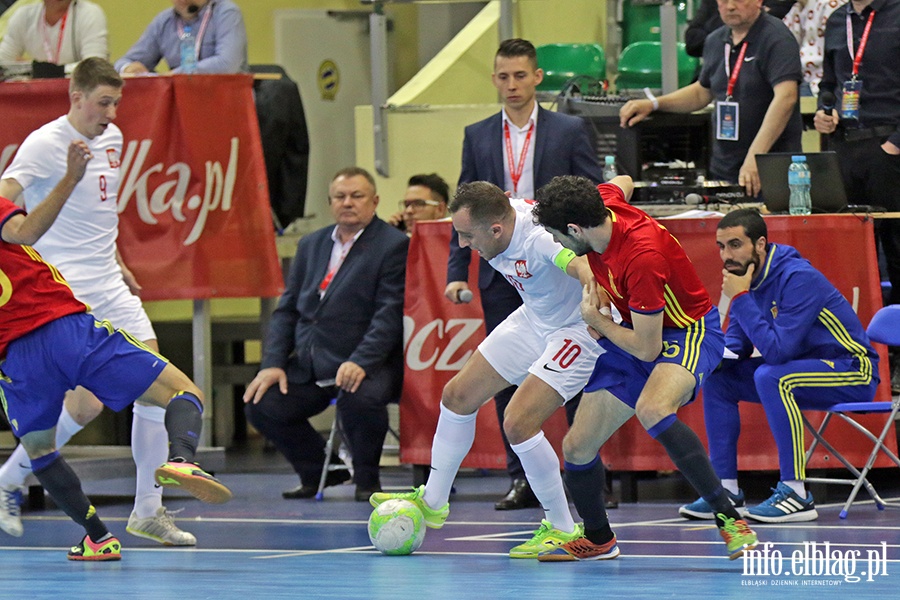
188	51
799	182
609	168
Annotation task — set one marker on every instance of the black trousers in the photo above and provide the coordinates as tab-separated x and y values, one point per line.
872	176
284	419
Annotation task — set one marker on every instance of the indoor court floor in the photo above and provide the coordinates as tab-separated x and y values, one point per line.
260	546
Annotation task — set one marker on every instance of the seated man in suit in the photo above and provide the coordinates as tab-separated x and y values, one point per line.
337	332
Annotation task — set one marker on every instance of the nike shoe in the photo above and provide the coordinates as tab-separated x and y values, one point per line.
160	528
581	549
434	518
86	549
10	511
546	538
784	506
700	509
194	480
737	535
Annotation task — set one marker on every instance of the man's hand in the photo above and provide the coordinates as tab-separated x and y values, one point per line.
451	292
748	177
77	159
825	123
732	284
131	281
263	381
890	148
134	68
595	309
349	376
634	112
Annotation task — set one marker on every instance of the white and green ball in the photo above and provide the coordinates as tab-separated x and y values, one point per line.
397	527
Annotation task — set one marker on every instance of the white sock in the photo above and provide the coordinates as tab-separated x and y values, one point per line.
18	466
798	486
452	441
542	470
150	448
731	485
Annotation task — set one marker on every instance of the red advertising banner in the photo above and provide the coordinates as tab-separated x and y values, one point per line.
193	204
439	337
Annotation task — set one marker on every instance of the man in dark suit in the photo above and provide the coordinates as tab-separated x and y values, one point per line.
337	332
519	149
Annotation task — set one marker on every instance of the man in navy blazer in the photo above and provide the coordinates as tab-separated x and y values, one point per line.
337	332
519	149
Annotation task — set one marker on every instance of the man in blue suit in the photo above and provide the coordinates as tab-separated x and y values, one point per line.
519	149
337	332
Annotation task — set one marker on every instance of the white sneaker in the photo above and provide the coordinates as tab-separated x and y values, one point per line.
160	528
10	513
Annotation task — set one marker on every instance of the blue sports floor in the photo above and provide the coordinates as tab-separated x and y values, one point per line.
260	546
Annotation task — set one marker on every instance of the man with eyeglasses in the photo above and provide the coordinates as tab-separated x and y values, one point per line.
425	200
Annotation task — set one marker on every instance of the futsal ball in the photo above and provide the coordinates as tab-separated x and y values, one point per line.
397	527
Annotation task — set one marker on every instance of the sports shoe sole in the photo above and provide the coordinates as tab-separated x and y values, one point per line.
700	516
565	556
204	489
156	538
797	517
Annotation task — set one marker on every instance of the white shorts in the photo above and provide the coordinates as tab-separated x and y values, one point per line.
562	358
123	309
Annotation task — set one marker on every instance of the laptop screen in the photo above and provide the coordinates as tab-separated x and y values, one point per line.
826	189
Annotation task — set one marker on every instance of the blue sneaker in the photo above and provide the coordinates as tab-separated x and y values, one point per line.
701	510
784	506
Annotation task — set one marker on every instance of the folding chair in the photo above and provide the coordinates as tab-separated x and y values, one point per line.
884	329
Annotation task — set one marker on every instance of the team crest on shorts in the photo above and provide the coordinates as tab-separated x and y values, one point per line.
112	156
522	269
774	311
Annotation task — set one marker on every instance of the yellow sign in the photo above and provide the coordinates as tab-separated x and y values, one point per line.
329	80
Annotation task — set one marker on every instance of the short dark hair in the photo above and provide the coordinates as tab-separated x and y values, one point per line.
569	199
433	182
486	202
749	218
514	47
355	172
93	72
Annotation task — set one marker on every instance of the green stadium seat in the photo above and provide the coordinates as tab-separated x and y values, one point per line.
561	62
640	20
640	66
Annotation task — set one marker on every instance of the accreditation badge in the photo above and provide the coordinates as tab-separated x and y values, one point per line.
727	120
850	99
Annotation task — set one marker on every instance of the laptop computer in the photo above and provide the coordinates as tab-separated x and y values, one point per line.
827	189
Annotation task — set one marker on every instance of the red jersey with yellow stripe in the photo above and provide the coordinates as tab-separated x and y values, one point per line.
32	292
644	268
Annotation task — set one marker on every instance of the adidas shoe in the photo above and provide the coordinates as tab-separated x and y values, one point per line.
737	535
581	549
434	518
109	549
545	539
194	480
784	506
160	528
700	509
10	511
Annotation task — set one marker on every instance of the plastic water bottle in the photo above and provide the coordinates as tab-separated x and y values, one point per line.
188	51
799	182
609	168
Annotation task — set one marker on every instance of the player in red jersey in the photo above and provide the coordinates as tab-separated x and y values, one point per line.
655	359
49	343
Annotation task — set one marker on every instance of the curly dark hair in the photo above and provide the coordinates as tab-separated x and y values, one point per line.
569	199
749	218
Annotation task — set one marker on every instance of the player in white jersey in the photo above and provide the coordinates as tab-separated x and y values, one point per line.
82	245
543	347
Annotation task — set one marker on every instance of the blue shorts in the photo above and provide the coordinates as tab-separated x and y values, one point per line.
74	350
698	348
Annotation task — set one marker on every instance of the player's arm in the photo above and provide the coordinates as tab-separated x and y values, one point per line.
643	341
130	280
624	183
776	119
28	229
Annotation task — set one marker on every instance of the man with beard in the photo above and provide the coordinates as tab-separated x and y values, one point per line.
669	340
814	354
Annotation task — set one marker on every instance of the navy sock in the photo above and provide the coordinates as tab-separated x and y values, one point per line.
687	452
585	484
183	423
63	485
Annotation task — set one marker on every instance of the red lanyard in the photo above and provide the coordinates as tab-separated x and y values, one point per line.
732	77
330	275
179	26
857	60
515	171
59	39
